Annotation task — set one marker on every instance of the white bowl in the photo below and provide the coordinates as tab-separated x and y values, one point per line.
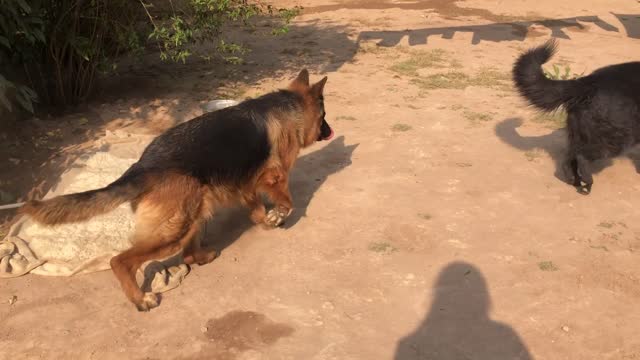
218	104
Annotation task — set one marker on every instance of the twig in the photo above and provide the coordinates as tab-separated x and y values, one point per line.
11	206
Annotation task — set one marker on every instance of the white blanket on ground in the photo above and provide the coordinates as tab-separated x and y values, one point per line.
69	249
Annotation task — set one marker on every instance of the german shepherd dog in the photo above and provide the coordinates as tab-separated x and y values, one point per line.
603	109
224	158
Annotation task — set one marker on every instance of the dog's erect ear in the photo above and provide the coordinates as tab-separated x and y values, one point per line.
318	87
302	79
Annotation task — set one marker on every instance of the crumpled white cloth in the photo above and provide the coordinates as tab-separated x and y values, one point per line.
78	248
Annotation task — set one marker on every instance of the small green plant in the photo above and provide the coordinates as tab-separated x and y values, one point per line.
458	80
401	127
557	74
475	117
381	247
436	58
547	266
371	48
606	225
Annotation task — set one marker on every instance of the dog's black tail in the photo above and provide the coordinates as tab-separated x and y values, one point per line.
533	85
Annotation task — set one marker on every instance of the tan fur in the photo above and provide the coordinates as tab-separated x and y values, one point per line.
172	208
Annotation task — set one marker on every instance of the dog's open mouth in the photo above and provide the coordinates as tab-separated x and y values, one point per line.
326	132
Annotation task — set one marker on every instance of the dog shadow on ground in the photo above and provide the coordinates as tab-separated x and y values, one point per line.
309	173
554	144
458	325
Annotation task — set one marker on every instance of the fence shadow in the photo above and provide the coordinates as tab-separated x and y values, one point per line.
504	31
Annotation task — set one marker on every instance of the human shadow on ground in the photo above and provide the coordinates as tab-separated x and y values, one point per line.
504	31
308	175
458	325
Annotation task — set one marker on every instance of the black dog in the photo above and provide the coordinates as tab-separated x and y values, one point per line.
603	109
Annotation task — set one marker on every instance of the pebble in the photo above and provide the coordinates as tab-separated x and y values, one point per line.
565	328
204	329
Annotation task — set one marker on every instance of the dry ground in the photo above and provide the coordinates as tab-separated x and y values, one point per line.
434	227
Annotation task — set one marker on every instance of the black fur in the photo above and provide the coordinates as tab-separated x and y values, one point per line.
603	108
222	147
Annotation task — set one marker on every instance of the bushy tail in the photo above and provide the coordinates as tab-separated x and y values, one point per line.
532	84
85	205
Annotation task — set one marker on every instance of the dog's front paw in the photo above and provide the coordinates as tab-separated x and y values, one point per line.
148	302
276	216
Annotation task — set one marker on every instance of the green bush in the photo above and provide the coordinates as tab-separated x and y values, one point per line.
51	51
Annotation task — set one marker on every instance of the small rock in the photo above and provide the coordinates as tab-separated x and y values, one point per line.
327	305
13	299
204	329
565	328
410	277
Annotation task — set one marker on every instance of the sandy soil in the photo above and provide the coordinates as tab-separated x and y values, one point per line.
433	227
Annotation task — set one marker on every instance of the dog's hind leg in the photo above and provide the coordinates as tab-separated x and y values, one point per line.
195	254
167	220
126	264
586	178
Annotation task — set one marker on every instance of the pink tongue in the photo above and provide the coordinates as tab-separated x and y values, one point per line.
330	135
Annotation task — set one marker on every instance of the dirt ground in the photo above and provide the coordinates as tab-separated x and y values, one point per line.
433	227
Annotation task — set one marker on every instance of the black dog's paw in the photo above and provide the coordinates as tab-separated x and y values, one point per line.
583	188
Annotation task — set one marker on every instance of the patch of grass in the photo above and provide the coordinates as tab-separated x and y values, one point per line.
234	92
600	247
436	58
371	48
297	52
458	80
532	155
564	74
547	266
381	247
401	127
424	216
448	80
477	117
377	22
553	120
606	225
492	78
346	117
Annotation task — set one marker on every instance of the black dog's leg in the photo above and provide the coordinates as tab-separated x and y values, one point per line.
570	170
585	178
